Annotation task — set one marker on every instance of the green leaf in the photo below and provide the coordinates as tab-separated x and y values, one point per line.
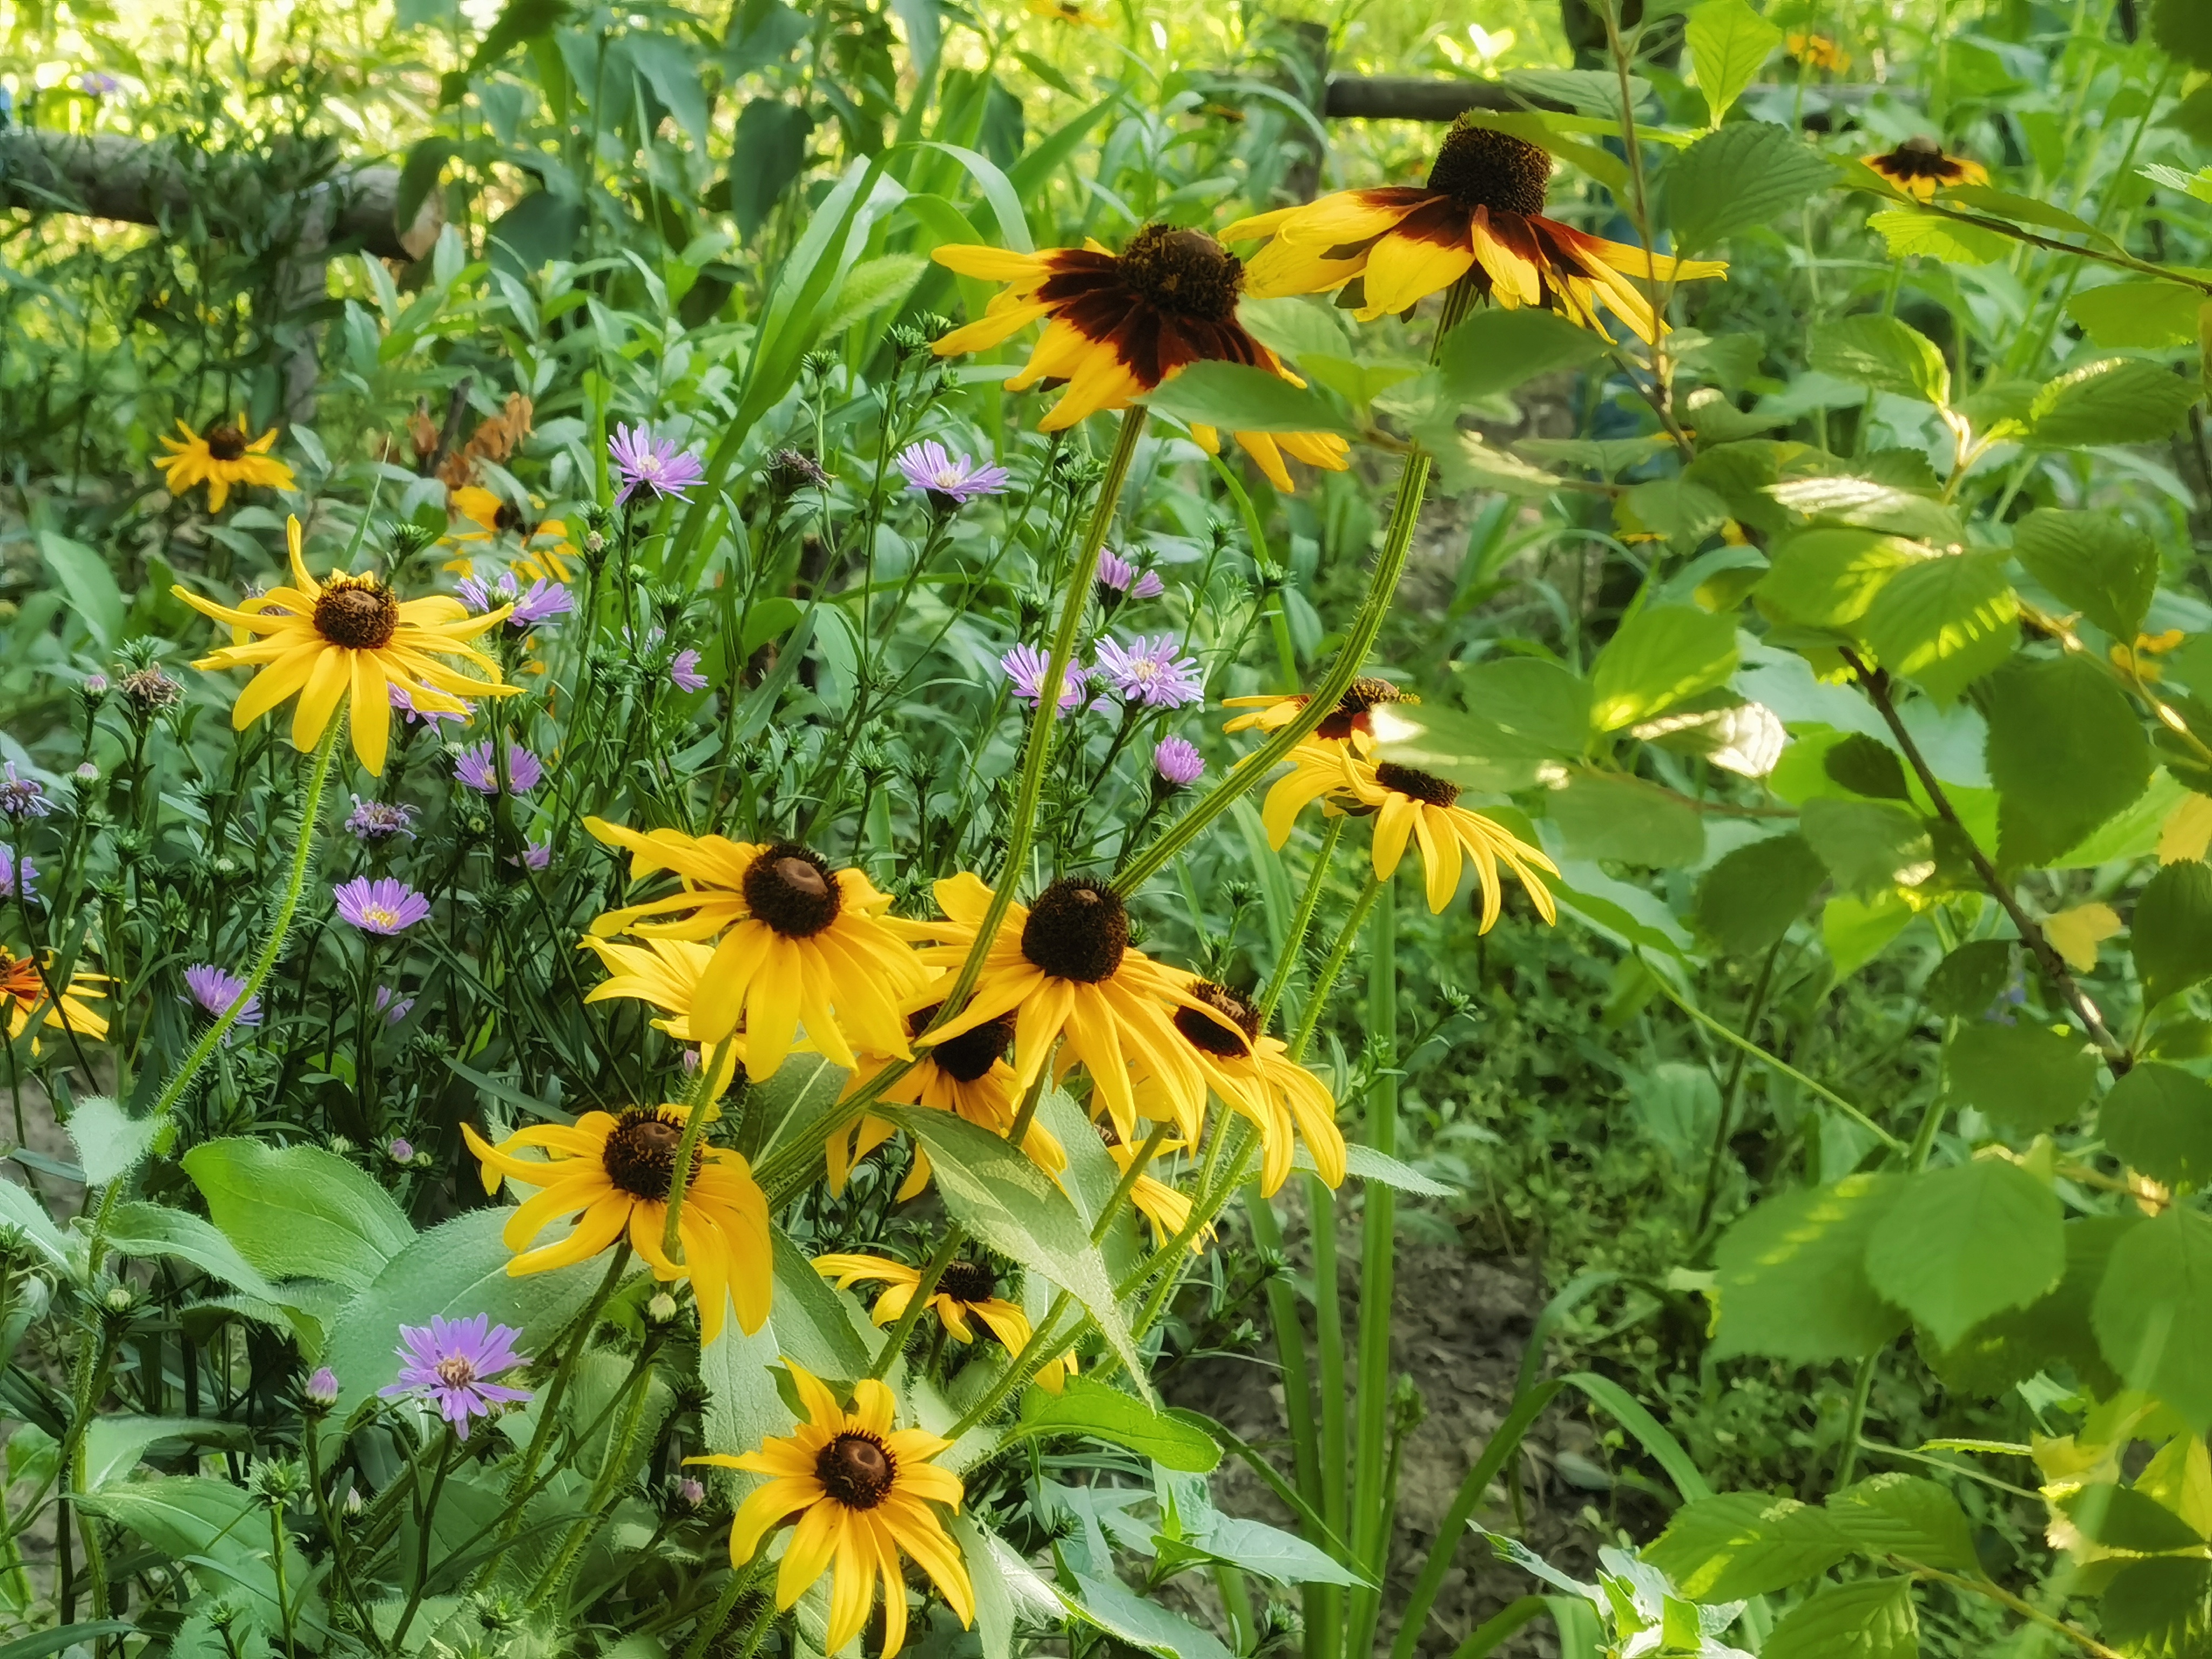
871	285
1235	397
94	596
221	1531
1676	510
1612	819
1014	1208
1494	352
2052	1331
767	152
1968	980
110	1143
519	21
1295	326
1745	174
1466	462
1365	1163
2025	1077
1172	1438
1661	657
2122	1518
1535	708
2117	400
1549	132
145	1230
1962	1244
1882	353
1908	231
1866	1618
1869	846
2149	315
1945	622
2153	1313
1867	766
1903	1514
299	1212
1743	1544
1729	41
1856	930
2065	750
1749	898
1828	579
2158	1119
2183	29
2172	930
2097	563
1272	1553
1131	1619
1791	1275
2025	209
540	227
2159	1606
1871	504
115	1441
22	1215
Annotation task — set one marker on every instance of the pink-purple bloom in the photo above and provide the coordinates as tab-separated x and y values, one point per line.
379	820
474	767
406	705
654	465
401	1150
1178	762
23	797
1116	572
1025	666
684	671
322	1387
1149	672
929	468
27	887
215	990
383	906
540	602
449	1365
394	1009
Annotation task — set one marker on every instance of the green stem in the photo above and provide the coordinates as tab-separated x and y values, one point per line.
687	1148
446	1444
924	1288
1753	1007
1371	1534
1294	942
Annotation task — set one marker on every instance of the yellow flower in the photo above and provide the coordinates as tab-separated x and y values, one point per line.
492	518
1117	325
220	459
1919	167
800	942
1316	773
2141	659
1165	1209
1349	722
349	636
1423	808
25	989
664	972
967	1287
862	1491
1257	1079
614	1174
1817	52
1070	12
1480	216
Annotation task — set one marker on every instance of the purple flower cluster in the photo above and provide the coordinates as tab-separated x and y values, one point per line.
1025	666
394	1009
1148	671
1120	577
475	768
1178	762
405	703
541	602
215	988
23	797
383	906
379	820
931	469
449	1364
27	886
684	671
653	465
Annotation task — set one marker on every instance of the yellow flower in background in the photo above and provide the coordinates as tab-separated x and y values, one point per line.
547	551
350	639
1919	167
2141	659
2076	933
220	459
1480	216
613	1174
1423	808
862	1491
1161	1205
1260	1082
1117	325
1071	12
1348	722
967	1289
25	988
1816	51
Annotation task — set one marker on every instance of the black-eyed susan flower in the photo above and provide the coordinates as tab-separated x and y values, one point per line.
967	1293
613	1174
24	987
1816	51
1316	773
1258	1080
1064	968
1118	325
350	640
221	457
666	973
1919	167
1422	808
1348	722
1166	1208
798	943
483	518
1480	217
862	1491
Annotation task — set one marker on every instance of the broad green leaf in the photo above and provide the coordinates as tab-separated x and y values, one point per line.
145	1230
2025	1077
1613	818
744	1406
2065	750
222	1532
1496	350
1867	766
1172	1438
519	21
2117	400
1469	750
2184	28
1871	504
1295	326
1868	845
1729	41
1676	510
1791	1278
1235	398
2152	1314
2052	1331
93	593
1750	899
1365	1163
2026	209
814	1323
1971	978
109	1141
1904	1515
2097	563
1742	175
1742	1544
1661	657
767	152
1856	930
299	1212
2122	1518
1144	1624
1908	232
1828	579
1465	462
2172	930
2157	1605
1882	353
115	1441
871	285
1014	1208
1945	622
26	1217
1539	707
2149	315
1960	1244
1273	1553
2158	1119
1866	1618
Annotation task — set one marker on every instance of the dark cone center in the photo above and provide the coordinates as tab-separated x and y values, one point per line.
1077	930
1425	786
1919	157
357	612
640	1153
969	1282
509	517
972	1053
791	888
1478	167
1362	695
1210	1035
1183	272
225	443
856	1469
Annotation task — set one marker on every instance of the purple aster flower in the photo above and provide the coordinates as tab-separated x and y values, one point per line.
540	602
683	672
474	767
215	990
23	797
1149	672
322	1387
690	1492
1117	573
383	906
379	820
401	1151
1178	762
97	85
652	464
394	1009
946	482
404	701
536	854
25	889
1025	666
449	1364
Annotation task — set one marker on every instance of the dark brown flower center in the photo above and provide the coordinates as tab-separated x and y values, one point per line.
1183	272
509	517
357	612
1077	930
640	1153
1351	709
972	1053
1478	167
225	443
1421	786
856	1469
1919	157
792	890
969	1282
1211	1036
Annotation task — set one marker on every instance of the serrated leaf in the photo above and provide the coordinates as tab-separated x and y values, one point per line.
1174	1439
1962	1244
1742	175
1871	504
2147	315
1610	818
1909	232
1496	350
1866	845
1866	1618
1742	1544
1750	899
2119	1517
1903	1514
1968	980
2173	932
2051	1331
1945	622
2159	1118
1883	353
2116	400
1729	42
1791	1280
2065	751
2153	1313
1660	657
2024	1077
2097	563
110	1143
1828	579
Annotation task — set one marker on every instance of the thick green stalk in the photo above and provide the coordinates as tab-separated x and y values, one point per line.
687	1146
1325	1631
1371	1534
